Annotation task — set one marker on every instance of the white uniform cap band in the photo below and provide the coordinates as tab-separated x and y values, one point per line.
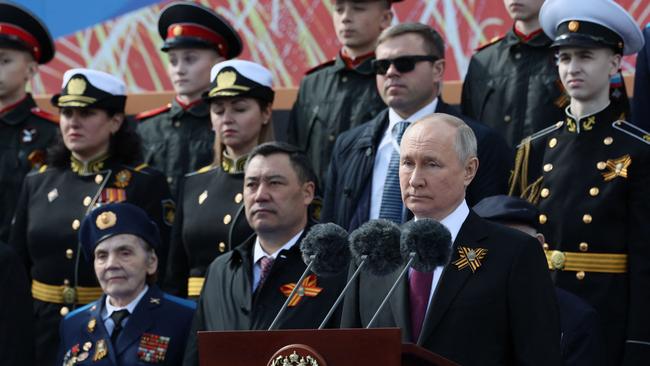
99	79
248	69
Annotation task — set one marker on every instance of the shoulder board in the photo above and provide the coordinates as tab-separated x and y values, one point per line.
541	133
79	310
153	112
140	167
205	169
45	115
490	42
632	130
42	168
182	302
321	66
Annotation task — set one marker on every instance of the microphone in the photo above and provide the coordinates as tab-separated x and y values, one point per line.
325	251
375	244
425	244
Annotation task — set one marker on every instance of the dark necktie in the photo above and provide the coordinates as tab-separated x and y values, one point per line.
391	198
419	291
118	317
265	267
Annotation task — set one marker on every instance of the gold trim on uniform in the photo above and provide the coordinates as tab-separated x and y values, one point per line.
54	294
232	166
587	262
76	86
93	166
194	286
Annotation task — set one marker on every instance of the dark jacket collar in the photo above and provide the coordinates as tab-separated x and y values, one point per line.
539	40
591	122
20	112
198	109
364	68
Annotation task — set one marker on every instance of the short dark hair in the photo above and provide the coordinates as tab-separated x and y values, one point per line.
433	43
298	159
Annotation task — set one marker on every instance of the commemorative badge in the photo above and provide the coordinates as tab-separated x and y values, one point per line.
169	211
470	257
122	178
153	348
101	350
617	167
92	323
308	289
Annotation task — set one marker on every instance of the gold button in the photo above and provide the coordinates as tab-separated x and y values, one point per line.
507	118
583	247
580	275
545	246
557	259
548	167
601	165
222	247
545	192
586	218
238	197
69	253
552	142
75	224
64	311
227	219
608	140
542	219
66	282
87	201
99	179
593	191
177	124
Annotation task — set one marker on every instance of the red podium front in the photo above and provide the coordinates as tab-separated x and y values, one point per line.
327	347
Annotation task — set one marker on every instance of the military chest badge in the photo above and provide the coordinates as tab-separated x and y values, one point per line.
153	348
105	220
112	195
101	350
52	195
92	323
308	288
169	211
617	167
202	197
28	135
470	257
36	158
122	178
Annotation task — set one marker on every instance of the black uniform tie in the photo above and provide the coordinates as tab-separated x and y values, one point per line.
118	317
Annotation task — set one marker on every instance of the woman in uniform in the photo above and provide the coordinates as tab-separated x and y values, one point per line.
94	163
210	219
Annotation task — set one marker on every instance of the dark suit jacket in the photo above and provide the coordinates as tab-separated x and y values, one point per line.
503	314
349	180
159	320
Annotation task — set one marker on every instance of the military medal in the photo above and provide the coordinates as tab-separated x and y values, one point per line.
87	346
202	197
470	257
100	350
110	195
308	288
82	357
52	195
91	324
122	178
29	135
153	348
617	167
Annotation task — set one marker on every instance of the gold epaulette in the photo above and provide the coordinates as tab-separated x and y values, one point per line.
492	41
518	182
42	169
632	130
205	169
140	167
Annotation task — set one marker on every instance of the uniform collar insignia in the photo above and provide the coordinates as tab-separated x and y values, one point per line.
232	166
154	300
93	166
308	288
617	167
470	257
587	123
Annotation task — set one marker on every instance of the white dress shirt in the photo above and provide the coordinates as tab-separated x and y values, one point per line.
387	145
453	223
109	309
258	253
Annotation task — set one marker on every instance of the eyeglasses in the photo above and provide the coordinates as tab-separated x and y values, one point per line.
402	63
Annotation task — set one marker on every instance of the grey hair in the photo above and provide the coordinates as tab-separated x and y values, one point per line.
465	144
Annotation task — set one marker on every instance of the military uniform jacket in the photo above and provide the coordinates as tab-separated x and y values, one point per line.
177	140
331	100
54	201
227	301
641	100
25	133
591	183
209	221
499	310
155	333
514	87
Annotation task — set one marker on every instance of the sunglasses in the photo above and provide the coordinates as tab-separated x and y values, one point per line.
402	63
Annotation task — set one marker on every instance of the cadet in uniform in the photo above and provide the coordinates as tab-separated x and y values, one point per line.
95	163
210	219
341	93
177	138
133	322
589	176
512	83
25	130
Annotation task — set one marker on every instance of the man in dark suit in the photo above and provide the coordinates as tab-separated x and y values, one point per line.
245	288
362	179
641	100
134	322
493	303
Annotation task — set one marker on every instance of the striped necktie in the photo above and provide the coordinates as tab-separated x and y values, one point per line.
391	199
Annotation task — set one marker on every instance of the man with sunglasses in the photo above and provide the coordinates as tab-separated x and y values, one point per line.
340	94
362	178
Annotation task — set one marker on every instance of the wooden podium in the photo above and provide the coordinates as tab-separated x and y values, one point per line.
327	347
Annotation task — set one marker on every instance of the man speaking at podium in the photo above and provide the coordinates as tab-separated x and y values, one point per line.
493	303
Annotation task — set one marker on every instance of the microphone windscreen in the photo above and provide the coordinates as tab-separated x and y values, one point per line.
429	240
328	243
380	241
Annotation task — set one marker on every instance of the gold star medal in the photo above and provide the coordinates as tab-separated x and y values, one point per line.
470	257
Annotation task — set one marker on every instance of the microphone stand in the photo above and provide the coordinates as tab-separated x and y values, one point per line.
345	289
293	292
392	289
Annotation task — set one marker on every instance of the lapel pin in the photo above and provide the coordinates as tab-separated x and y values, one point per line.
470	257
